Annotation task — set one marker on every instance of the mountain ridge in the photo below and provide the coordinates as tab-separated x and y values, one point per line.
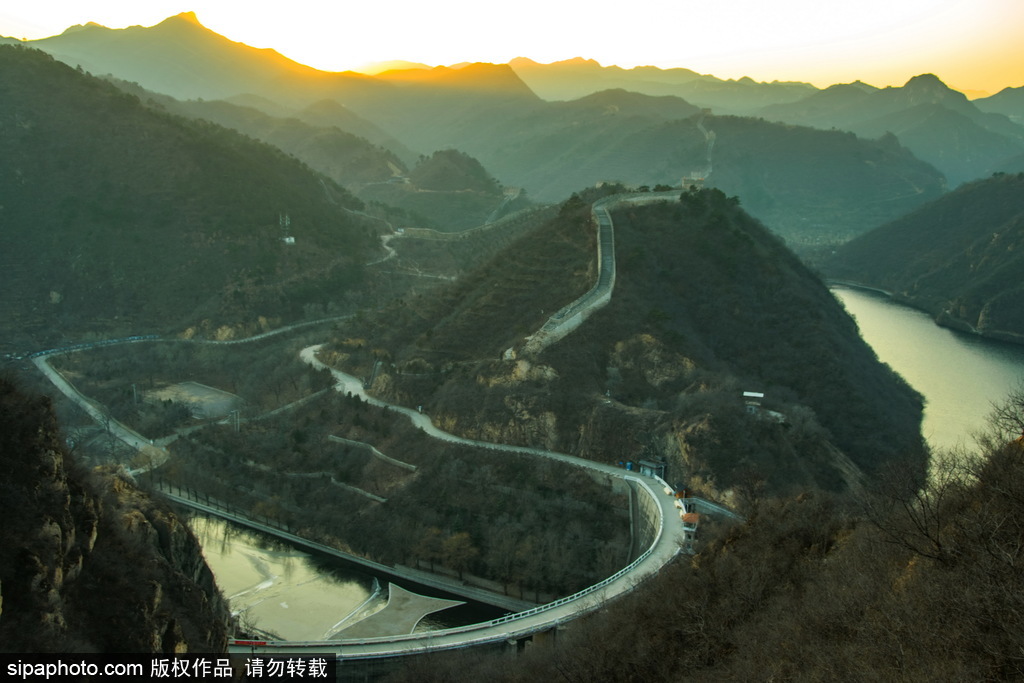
945	142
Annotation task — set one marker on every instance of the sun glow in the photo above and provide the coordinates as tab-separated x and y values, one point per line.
971	44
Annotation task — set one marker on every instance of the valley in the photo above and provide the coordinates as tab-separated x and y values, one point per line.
552	338
667	530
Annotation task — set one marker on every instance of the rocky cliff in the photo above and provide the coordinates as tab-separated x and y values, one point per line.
89	562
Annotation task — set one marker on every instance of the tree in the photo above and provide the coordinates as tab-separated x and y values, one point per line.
459	551
429	547
1007	419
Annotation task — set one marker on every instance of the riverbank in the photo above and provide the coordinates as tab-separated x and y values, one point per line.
961	375
942	318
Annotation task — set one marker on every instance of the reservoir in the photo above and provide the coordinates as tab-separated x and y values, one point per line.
283	592
960	375
288	594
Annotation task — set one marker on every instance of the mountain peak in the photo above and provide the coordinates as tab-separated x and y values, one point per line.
77	28
181	20
187	16
926	81
928	89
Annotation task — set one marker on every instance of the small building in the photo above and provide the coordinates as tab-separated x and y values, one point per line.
753	401
691	520
288	239
651	468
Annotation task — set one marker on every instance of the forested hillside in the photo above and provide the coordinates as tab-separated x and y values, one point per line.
447	191
818	186
119	219
811	186
707	305
907	585
959	258
346	158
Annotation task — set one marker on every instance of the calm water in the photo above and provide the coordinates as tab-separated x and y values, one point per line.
289	594
960	375
282	590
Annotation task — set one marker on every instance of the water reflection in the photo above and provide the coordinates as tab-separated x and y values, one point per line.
960	375
290	595
280	590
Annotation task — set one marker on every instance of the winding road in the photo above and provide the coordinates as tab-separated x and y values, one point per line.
658	498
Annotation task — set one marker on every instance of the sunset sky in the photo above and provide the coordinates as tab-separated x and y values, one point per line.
973	45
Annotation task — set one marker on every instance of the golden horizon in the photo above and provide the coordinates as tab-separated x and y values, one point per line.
972	46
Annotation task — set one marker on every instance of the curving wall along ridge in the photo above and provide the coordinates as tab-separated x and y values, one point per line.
571	316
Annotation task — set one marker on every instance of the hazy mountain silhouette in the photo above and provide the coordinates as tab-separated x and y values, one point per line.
438	108
331	113
574	78
499	79
805	183
937	123
426	109
347	159
182	58
1009	102
554	148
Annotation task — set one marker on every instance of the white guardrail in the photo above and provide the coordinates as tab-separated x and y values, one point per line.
423	640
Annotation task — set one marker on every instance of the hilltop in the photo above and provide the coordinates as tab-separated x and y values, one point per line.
182	58
120	219
960	258
707	305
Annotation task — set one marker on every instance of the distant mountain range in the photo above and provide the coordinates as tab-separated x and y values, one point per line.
938	124
574	78
1009	102
643	126
960	257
